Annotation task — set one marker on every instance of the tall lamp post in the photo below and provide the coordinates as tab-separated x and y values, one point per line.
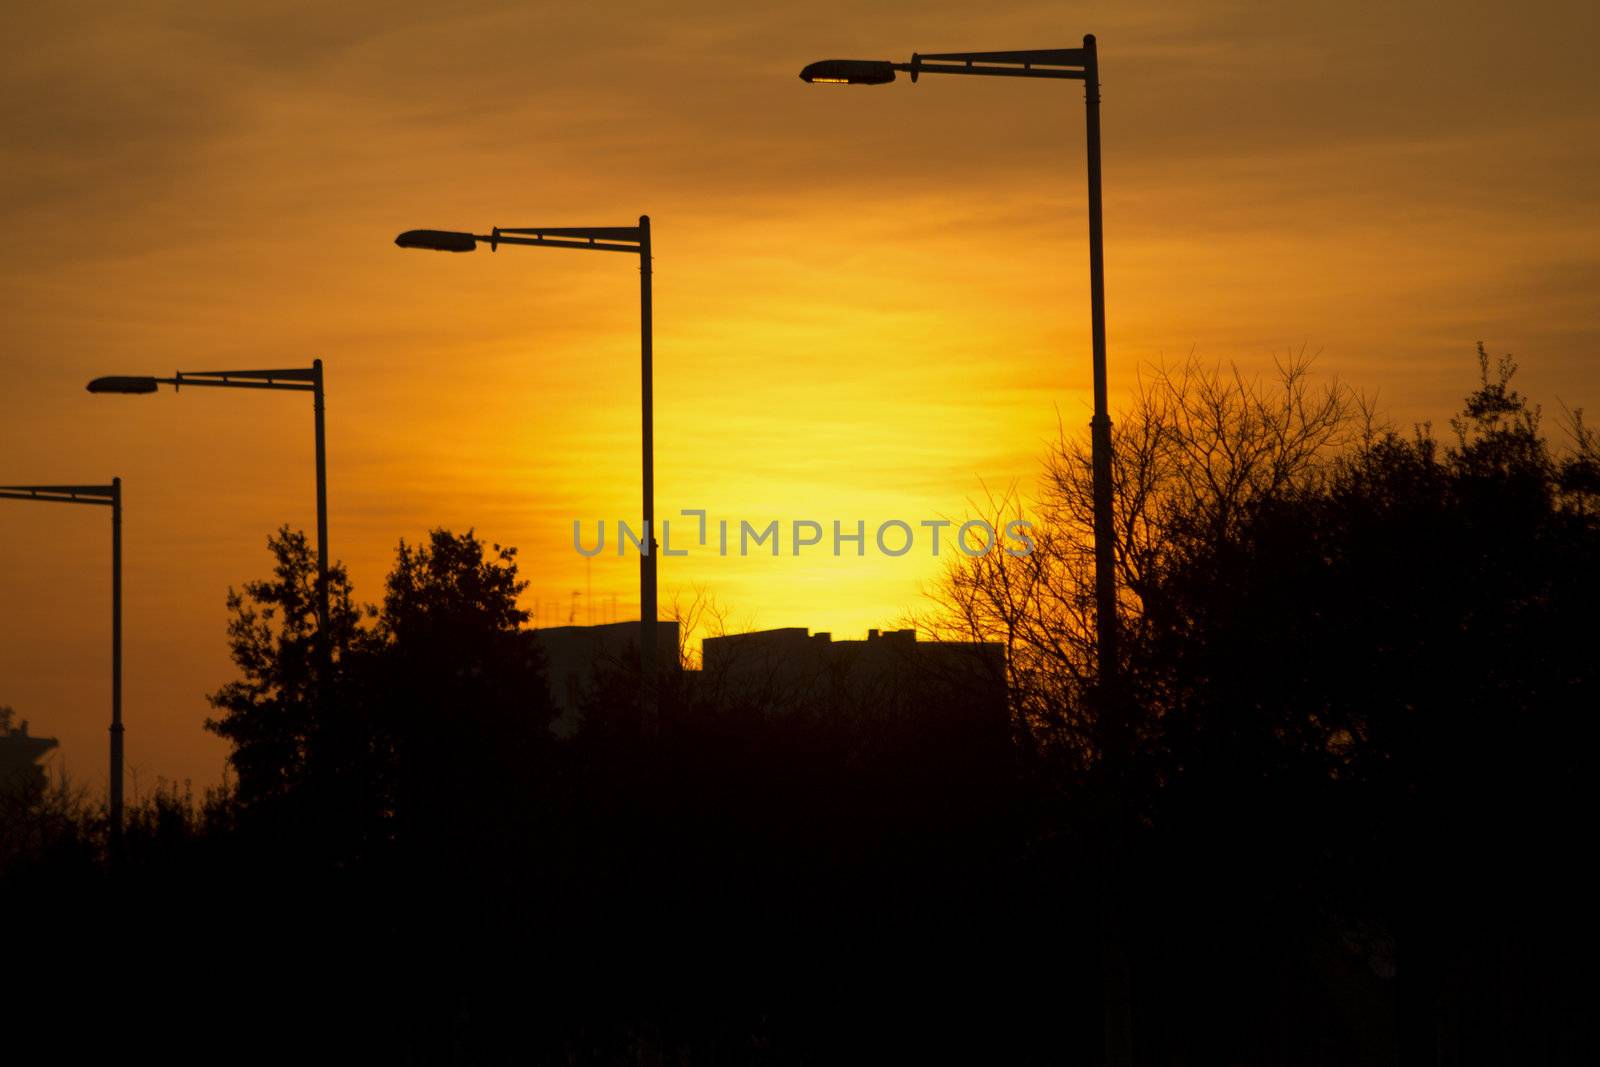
634	240
98	496
1076	64
292	379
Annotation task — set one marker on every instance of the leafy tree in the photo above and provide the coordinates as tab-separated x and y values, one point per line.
1359	663
276	713
463	702
428	716
1385	676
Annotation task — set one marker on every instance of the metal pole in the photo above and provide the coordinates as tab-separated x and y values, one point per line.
1114	956
647	560
116	667
1105	581
317	406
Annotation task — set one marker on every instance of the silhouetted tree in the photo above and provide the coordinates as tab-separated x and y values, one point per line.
464	704
276	713
1199	450
428	726
1358	665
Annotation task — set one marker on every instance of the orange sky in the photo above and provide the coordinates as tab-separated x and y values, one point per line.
869	302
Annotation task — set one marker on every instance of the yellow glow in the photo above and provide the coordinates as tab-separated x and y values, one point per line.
243	204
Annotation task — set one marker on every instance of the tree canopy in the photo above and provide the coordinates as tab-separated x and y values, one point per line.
1358	669
425	720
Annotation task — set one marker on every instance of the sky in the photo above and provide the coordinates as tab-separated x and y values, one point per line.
871	303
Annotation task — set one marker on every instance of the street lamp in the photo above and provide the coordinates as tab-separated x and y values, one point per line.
634	240
292	379
1077	64
98	496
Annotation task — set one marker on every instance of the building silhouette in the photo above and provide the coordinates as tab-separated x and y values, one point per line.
576	657
942	704
20	752
792	667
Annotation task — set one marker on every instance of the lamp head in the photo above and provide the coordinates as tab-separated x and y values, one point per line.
848	72
437	240
123	384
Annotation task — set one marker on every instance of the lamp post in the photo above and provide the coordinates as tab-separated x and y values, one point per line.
98	496
292	379
1076	64
636	241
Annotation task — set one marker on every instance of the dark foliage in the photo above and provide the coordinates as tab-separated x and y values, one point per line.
1342	820
1369	733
